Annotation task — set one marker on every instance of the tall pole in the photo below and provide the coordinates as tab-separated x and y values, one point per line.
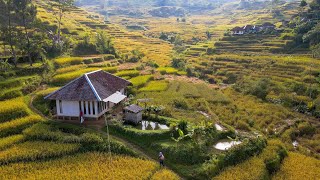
108	137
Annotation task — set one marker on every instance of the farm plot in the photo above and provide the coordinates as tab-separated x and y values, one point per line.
83	166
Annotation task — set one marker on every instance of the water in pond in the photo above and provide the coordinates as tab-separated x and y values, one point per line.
225	145
219	127
149	125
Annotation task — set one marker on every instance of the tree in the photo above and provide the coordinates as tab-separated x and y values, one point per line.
60	7
178	62
26	12
260	88
163	36
208	34
8	29
104	43
135	56
316	51
303	3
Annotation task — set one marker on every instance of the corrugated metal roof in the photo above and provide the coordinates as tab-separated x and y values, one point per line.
134	108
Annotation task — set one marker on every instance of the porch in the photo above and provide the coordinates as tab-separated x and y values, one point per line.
114	114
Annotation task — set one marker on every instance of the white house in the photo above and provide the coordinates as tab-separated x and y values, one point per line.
94	94
237	31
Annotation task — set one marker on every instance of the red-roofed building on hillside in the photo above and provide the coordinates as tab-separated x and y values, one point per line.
93	94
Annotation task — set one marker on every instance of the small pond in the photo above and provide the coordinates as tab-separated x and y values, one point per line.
150	125
225	145
219	127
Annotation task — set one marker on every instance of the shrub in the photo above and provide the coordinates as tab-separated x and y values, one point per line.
306	129
242	125
108	57
85	48
97	60
243	151
181	104
260	89
273	164
88	61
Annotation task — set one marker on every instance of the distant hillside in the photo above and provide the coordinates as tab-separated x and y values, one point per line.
304	28
190	6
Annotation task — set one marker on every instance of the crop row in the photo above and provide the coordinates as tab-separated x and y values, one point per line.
12	109
31	151
64	78
18	125
8	141
155	86
81	166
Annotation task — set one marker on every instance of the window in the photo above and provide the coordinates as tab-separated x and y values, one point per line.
84	108
108	104
93	109
60	105
80	108
89	108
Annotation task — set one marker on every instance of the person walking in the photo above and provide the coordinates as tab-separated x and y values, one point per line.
161	159
81	117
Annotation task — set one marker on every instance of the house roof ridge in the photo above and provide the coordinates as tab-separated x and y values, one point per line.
91	85
93	72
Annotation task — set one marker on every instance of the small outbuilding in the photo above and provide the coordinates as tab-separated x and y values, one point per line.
133	113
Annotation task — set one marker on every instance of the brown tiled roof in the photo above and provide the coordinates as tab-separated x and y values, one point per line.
93	86
248	27
134	108
268	24
237	29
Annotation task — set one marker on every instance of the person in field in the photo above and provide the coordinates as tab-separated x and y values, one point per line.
161	159
81	117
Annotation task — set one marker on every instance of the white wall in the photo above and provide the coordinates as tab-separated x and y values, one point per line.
71	108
